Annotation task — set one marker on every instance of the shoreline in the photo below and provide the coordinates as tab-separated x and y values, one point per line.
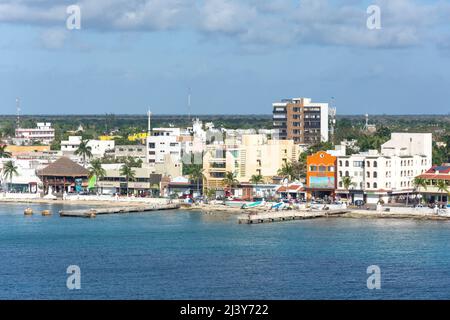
222	209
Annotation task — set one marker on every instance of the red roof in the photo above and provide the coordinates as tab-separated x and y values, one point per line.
435	176
291	188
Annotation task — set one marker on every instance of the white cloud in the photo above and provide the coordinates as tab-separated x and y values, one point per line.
251	22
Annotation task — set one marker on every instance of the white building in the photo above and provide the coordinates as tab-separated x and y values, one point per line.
98	147
43	133
25	181
387	175
163	141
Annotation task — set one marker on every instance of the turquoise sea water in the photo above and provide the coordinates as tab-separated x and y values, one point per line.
190	255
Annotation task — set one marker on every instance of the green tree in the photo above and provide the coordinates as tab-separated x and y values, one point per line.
4	153
84	151
420	183
9	170
196	174
97	170
442	187
230	180
256	179
287	171
347	182
128	172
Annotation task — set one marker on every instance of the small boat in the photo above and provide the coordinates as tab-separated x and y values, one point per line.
278	206
253	204
28	212
46	213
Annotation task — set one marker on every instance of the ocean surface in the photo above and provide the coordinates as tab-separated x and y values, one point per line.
192	255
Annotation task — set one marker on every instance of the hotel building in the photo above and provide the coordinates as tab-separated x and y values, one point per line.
246	156
301	120
387	175
43	133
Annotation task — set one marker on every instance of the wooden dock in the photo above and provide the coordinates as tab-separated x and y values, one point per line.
92	213
279	216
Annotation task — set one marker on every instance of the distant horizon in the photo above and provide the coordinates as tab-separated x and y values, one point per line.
209	114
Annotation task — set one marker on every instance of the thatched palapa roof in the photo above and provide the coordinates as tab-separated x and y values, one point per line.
64	167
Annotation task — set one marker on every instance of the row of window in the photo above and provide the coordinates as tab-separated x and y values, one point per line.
321	168
374	164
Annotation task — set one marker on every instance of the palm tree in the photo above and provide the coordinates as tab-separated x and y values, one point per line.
287	171
256	178
129	173
3	152
84	151
347	182
9	170
230	180
420	183
196	174
97	170
442	187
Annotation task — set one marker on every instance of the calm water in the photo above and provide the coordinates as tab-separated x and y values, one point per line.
190	255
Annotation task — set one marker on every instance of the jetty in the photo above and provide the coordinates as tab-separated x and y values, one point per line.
92	213
279	216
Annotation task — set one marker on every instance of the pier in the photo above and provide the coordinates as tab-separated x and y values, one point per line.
278	216
92	213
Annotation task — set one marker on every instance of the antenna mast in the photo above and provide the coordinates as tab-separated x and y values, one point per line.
189	104
18	112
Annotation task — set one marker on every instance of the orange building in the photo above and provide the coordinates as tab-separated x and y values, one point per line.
320	175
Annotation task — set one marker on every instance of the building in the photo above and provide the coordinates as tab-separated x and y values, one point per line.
98	147
23	150
247	156
321	175
301	120
437	180
26	180
141	137
147	179
388	174
133	151
162	142
43	133
292	191
63	175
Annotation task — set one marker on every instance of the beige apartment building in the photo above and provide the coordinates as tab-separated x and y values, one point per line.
245	156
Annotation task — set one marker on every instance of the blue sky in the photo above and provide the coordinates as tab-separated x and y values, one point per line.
236	56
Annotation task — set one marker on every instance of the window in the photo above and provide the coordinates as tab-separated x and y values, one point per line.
340	163
375	185
331	169
375	175
346	163
368	185
368	164
322	169
347	174
375	164
368	174
340	173
151	145
312	168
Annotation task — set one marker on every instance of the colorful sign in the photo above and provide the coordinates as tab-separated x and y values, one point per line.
321	182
